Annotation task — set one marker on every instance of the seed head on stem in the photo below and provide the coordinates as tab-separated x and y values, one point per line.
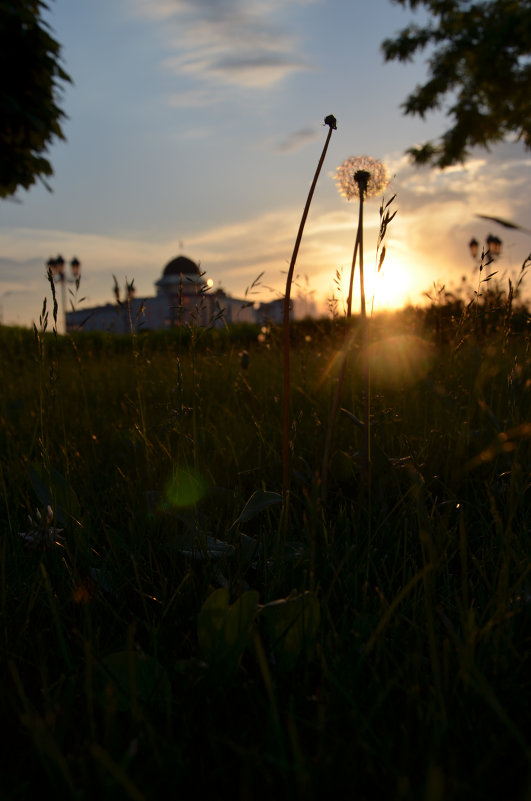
331	121
361	176
358	177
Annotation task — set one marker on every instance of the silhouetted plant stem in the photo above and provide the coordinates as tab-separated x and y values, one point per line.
365	353
332	126
342	370
361	178
352	271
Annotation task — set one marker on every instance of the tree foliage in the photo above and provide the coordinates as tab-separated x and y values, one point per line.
480	61
31	77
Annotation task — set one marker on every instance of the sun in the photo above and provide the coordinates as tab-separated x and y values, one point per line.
394	287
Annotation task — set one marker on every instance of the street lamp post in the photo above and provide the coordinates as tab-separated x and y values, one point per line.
56	268
494	245
474	246
492	250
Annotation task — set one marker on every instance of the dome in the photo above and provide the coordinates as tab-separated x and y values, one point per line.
181	266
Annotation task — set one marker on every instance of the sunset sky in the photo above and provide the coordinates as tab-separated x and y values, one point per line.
195	126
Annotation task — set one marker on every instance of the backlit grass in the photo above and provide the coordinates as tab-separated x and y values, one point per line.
192	634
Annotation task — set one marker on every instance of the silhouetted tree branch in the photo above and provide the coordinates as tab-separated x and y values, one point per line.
480	63
31	76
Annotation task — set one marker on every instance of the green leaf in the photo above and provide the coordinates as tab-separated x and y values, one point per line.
292	625
52	489
129	678
259	500
223	630
211	623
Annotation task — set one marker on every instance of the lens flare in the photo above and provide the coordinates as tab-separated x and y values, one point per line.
400	361
185	488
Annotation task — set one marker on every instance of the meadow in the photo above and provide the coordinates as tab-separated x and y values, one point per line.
174	625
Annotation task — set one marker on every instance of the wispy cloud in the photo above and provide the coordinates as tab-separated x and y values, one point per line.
427	242
232	255
496	180
297	139
438	211
226	43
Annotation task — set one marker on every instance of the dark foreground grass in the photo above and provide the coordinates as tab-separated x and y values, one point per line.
177	631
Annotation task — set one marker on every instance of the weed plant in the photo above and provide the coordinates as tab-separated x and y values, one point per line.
170	627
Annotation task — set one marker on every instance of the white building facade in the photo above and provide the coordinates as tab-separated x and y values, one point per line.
183	297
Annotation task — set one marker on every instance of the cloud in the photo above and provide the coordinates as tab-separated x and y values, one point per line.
437	211
226	43
254	71
233	253
426	242
497	180
194	98
296	140
14	272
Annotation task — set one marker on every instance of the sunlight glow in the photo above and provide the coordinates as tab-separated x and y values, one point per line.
392	288
399	361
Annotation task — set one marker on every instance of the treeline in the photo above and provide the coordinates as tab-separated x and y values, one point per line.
446	318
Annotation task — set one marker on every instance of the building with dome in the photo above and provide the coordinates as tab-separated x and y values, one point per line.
183	296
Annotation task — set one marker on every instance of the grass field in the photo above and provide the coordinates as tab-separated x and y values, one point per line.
173	627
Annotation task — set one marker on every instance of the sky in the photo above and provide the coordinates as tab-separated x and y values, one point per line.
194	127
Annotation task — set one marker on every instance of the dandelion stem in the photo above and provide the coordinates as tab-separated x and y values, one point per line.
358	247
362	276
331	122
352	270
365	350
361	178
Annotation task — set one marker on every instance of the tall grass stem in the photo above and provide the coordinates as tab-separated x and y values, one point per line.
332	126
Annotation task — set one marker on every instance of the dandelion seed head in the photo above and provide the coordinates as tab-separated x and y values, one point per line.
361	174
